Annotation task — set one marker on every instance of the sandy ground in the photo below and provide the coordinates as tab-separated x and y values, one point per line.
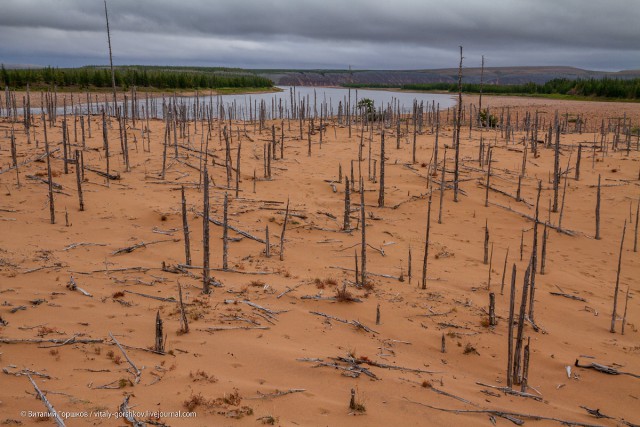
243	376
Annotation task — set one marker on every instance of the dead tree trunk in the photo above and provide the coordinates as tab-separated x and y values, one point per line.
225	233
486	243
486	196
363	255
444	169
456	171
492	309
615	294
635	237
347	206
159	344
598	211
517	362
512	300
381	191
556	170
504	271
284	228
534	256
113	76
79	180
52	210
184	323
577	176
205	235
185	228
426	246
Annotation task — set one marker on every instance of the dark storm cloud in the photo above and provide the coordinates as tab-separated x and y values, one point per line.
329	33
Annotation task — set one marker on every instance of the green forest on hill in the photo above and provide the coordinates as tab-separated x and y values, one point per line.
596	88
140	76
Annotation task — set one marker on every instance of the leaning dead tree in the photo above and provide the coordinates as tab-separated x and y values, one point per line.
113	75
615	294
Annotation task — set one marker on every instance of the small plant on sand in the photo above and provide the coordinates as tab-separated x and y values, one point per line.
470	349
194	401
268	420
256	283
492	120
343	295
233	398
201	375
124	382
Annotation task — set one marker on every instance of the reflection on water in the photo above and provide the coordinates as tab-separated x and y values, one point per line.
272	104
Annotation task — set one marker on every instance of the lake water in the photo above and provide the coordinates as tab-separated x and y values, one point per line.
275	103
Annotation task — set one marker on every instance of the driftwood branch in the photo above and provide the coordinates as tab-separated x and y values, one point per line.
132	248
514	417
509	390
71	340
231	227
562	294
231	328
135	368
348	322
127	414
50	408
604	369
277	393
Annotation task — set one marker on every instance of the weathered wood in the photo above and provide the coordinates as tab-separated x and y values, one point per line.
363	243
604	369
492	309
381	190
206	289
426	245
277	393
51	410
512	299
137	372
615	294
52	210
514	417
126	413
72	340
598	211
225	233
236	229
159	342
185	227
184	323
284	229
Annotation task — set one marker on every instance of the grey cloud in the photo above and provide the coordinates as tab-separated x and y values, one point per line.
331	33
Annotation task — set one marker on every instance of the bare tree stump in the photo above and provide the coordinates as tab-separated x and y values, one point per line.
615	294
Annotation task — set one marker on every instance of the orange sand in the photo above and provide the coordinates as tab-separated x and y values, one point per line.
255	362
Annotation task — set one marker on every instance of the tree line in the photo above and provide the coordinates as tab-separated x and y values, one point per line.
598	88
140	76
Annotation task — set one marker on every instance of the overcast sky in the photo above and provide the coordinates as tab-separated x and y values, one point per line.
366	34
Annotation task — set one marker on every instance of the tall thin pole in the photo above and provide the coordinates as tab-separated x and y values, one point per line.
615	295
459	115
113	76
